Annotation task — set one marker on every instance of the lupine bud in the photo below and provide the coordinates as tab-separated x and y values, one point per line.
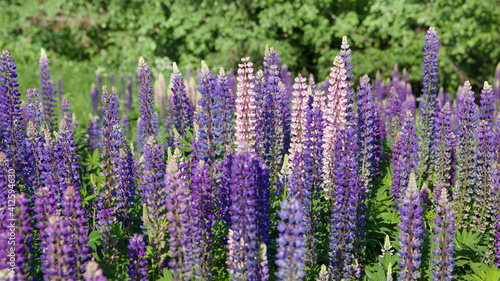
445	233
323	274
246	120
48	91
183	107
137	265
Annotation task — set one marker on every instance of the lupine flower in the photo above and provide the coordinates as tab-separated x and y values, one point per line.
290	254
77	223
405	158
396	84
259	93
445	233
152	185
125	126
323	274
227	108
487	104
334	120
246	119
177	196
58	259
467	116
378	88
94	98
411	230
344	53
429	91
93	272
32	169
312	82
93	135
495	188
45	206
443	147
66	113
224	184
111	79
10	110
137	265
393	112
52	161
367	133
64	151
300	96
34	107
48	91
183	108
148	126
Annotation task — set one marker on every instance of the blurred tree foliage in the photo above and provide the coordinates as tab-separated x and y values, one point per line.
307	34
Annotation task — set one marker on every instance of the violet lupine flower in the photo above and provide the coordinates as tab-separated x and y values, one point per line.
444	147
177	215
429	91
137	265
51	163
152	185
67	161
10	110
183	108
246	119
125	126
393	115
66	113
147	108
73	211
93	133
34	107
485	158
367	133
445	233
224	184
227	108
32	169
58	258
466	174
48	91
487	108
395	82
345	54
259	93
411	232
405	158
496	85
244	238
334	121
45	206
291	251
94	98
287	79
93	272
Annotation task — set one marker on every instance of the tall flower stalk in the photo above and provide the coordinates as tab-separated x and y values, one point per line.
445	233
444	147
49	95
183	108
246	118
149	123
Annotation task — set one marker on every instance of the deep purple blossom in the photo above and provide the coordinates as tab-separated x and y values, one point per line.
67	161
58	259
445	233
183	108
137	265
45	206
34	107
48	91
227	108
487	108
444	147
148	126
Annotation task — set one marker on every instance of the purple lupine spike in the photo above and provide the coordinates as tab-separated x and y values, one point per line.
405	158
24	113
299	104
93	272
125	126
51	163
146	104
67	161
45	206
4	177
58	258
60	87
183	108
411	232
428	105
495	188
367	133
246	119
34	107
77	222
32	169
259	93
177	199
152	186
410	102
467	117
393	114
287	78
227	108
487	108
66	113
482	213
225	187
111	80
125	189
334	120
345	54
137	265
496	85
312	82
10	110
445	233
48	91
94	98
443	147
290	254
93	135
497	137
245	235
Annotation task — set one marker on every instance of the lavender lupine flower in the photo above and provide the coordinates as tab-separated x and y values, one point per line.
259	93
287	81
93	272
152	185
444	147
34	107
393	112
58	258
367	133
429	91
93	135
411	231
395	82
52	162
467	117
312	82
94	98
32	169
300	98
67	161
487	108
245	235
224	184
246	119
77	222
177	196
290	254
485	157
183	108
405	158
445	233
334	120
66	113
344	53
147	108
495	188
48	91
496	85
137	265
45	206
227	108
10	110
125	126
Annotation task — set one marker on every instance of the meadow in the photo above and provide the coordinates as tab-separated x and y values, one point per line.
251	173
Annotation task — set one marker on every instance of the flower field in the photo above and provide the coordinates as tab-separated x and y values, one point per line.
250	174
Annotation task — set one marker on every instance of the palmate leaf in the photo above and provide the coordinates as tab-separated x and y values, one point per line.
483	272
